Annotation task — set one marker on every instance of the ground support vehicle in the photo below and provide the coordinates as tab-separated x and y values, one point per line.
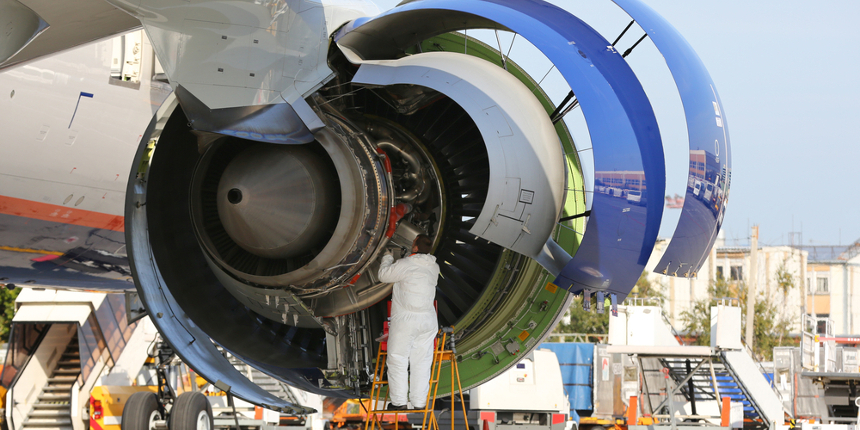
351	414
165	394
528	396
645	378
819	381
171	395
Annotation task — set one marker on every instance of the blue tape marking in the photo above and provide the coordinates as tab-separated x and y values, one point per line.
82	94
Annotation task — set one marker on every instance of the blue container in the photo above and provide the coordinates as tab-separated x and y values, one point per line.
577	367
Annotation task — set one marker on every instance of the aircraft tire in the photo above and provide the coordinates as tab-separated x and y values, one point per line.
140	411
191	411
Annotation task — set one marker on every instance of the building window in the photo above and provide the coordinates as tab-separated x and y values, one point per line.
822	286
737	273
823	325
720	275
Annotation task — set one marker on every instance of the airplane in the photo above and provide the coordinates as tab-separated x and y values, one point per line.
244	184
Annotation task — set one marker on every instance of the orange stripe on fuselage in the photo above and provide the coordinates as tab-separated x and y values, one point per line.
61	214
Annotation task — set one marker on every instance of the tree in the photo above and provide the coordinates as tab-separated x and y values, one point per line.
770	329
786	282
646	289
784	279
592	322
7	310
582	321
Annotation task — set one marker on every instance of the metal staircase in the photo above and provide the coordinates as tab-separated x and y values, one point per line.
52	409
728	384
700	375
265	381
273	386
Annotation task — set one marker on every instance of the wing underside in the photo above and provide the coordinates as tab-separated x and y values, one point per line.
36	28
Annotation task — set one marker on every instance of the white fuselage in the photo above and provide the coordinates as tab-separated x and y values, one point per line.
70	132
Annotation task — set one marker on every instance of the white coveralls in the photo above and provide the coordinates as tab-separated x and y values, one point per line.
413	325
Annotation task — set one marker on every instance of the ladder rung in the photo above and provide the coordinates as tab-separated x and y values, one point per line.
401	411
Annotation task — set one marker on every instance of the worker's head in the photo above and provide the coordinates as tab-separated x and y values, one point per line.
422	244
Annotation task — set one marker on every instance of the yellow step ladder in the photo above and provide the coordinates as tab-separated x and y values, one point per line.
440	354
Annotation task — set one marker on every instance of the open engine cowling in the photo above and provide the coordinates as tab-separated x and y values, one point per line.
258	228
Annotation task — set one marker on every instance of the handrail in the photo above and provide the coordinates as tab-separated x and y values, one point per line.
640	301
728	300
582	337
39	338
744	389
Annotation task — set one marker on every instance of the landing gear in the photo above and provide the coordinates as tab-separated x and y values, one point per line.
164	410
141	412
191	411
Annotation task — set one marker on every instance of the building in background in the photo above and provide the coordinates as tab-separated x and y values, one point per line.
833	277
776	266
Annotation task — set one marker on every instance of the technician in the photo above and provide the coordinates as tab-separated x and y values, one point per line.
413	324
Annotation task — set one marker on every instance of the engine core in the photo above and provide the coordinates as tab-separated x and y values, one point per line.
278	201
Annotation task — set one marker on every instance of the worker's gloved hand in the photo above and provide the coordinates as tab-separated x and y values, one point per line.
388	251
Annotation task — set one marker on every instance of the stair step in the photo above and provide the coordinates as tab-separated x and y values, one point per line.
55	389
55	397
50	406
67	371
48	423
69	363
55	413
50	426
66	380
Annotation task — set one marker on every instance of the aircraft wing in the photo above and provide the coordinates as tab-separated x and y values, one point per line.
36	28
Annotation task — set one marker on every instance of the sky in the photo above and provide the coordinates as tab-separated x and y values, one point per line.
787	73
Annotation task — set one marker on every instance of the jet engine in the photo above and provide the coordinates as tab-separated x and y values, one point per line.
257	227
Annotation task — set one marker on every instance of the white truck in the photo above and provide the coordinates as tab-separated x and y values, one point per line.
528	396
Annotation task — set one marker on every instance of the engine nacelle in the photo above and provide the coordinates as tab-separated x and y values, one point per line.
257	228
